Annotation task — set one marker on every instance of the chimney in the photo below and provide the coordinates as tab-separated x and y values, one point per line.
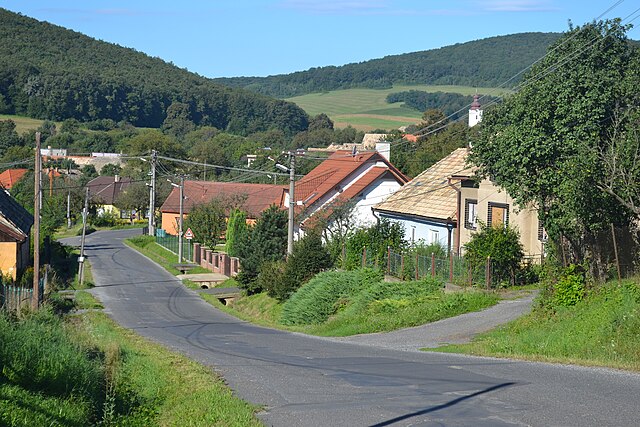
384	148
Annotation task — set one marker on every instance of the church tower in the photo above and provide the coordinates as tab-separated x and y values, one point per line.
475	112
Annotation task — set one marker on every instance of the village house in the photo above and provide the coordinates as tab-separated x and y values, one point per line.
15	230
363	179
105	190
255	198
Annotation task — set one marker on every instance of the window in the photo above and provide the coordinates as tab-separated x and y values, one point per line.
498	214
470	214
435	236
542	233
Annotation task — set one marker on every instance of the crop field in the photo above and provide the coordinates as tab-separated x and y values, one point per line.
367	109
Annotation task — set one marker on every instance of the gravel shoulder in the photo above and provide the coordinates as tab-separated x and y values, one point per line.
454	330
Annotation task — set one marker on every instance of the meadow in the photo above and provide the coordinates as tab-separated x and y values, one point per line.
367	109
25	124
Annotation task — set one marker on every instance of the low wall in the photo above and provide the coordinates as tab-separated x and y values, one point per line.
216	262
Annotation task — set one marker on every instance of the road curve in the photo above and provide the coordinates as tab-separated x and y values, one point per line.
309	381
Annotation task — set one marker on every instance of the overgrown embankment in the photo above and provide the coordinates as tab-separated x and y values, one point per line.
572	324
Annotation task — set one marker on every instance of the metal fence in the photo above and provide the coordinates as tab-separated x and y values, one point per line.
412	265
171	243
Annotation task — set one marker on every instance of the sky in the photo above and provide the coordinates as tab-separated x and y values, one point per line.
231	38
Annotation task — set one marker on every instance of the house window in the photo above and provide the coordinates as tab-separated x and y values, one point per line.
470	214
435	236
542	233
498	214
125	214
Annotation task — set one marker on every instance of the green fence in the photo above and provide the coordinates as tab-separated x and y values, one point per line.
171	243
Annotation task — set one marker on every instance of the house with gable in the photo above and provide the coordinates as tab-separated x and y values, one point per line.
445	203
105	190
253	199
15	231
364	179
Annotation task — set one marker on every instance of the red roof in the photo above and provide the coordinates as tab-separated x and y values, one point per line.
329	175
9	177
258	196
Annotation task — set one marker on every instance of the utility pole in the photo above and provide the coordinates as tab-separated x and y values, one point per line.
85	213
152	194
35	301
181	218
292	203
69	209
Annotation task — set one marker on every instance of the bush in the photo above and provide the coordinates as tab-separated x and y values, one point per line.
500	243
142	241
376	239
106	219
325	294
270	274
570	288
309	258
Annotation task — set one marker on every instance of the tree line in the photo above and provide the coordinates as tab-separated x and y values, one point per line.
48	72
488	62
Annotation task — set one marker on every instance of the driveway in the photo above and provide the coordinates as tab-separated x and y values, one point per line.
309	381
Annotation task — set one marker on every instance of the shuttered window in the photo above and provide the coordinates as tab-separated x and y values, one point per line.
498	214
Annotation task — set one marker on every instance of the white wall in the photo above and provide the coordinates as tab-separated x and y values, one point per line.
377	193
418	230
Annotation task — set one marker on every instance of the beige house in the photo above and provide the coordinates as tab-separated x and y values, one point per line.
444	205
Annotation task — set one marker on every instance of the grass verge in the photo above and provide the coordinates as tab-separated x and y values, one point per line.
167	259
601	330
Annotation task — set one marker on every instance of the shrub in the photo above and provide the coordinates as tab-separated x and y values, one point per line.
106	219
570	288
325	294
376	239
309	257
270	274
237	230
142	241
500	243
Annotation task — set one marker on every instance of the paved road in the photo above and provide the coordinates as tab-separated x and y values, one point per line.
307	381
454	330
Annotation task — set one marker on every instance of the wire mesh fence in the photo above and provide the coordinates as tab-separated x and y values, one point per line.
171	243
412	265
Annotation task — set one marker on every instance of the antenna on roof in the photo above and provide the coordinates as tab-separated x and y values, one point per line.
354	151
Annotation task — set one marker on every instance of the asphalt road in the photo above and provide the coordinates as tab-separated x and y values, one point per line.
308	381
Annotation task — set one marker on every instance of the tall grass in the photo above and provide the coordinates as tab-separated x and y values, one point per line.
603	329
321	297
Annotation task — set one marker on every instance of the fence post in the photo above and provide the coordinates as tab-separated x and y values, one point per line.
433	264
388	259
417	267
451	267
470	275
487	273
344	255
401	266
364	256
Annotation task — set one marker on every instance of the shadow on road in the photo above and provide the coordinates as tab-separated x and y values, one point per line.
443	406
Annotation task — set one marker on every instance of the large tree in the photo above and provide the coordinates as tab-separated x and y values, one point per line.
542	144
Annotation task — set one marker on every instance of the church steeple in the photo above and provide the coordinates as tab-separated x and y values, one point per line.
475	112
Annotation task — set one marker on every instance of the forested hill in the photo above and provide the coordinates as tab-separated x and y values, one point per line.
49	72
482	63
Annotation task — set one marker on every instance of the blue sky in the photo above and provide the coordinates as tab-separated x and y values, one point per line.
220	38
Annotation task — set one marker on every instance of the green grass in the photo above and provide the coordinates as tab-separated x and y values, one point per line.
25	124
147	246
601	330
171	389
367	109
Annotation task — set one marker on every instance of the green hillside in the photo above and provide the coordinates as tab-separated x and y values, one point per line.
48	72
488	62
367	109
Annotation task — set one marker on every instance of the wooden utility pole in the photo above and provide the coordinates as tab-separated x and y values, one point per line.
292	202
615	251
152	194
35	301
85	213
181	222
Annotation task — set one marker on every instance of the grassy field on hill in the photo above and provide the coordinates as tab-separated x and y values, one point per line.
367	109
24	124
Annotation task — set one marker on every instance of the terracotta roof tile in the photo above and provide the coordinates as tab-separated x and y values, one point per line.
9	177
258	196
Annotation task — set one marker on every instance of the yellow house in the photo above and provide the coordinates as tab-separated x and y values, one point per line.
105	190
15	229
